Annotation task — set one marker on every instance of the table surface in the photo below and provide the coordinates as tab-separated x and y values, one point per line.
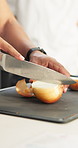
18	132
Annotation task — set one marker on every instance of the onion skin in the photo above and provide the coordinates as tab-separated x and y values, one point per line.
74	86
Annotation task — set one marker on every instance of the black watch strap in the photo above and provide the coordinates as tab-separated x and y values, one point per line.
33	49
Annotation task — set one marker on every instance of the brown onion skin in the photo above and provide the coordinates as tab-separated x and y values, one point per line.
74	86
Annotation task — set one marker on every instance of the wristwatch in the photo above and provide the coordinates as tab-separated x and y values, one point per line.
34	49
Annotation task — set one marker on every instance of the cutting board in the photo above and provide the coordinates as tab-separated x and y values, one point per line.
64	110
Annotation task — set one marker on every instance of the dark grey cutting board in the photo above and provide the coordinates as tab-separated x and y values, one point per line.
65	110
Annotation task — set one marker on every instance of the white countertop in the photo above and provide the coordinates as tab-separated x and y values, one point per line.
18	132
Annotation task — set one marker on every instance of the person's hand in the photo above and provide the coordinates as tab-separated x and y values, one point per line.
49	62
6	47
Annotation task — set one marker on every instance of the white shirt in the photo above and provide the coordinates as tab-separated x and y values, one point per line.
52	25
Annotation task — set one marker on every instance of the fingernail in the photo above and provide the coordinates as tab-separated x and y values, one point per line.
21	58
65	90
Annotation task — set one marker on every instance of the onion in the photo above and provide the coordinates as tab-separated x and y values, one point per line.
24	89
75	85
46	92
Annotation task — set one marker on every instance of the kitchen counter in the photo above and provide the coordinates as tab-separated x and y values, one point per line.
18	132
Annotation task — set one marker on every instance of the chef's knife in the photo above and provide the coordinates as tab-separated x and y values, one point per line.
31	70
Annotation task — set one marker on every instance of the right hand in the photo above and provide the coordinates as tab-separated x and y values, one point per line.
49	62
6	47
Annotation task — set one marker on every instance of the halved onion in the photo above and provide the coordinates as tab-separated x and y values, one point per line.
46	92
75	85
24	89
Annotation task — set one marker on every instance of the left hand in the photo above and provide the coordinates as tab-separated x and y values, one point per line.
49	62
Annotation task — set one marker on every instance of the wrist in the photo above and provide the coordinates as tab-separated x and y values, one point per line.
33	50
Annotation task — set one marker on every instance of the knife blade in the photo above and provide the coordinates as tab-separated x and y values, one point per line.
33	71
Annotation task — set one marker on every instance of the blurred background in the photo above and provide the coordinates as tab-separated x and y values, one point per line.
52	25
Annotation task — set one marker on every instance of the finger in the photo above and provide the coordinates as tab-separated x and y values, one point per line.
62	70
10	49
58	67
65	88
